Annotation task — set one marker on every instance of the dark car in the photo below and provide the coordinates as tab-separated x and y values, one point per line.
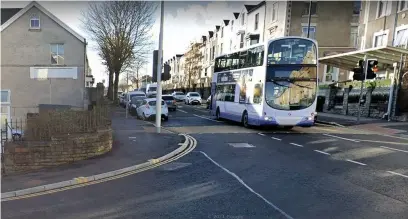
170	101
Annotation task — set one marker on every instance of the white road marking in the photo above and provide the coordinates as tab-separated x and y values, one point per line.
132	137
206	118
399	174
246	186
394	149
296	144
352	161
261	134
278	139
347	139
181	111
322	152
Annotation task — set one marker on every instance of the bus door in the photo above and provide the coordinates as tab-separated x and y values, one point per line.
254	103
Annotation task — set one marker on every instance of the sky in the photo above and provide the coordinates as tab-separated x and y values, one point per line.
184	22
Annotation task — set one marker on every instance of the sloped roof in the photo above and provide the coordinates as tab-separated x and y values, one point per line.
46	12
254	7
236	15
226	22
211	33
217	27
7	13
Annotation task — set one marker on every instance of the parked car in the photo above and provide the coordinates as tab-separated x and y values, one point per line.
179	96
135	102
148	110
170	101
151	95
129	96
193	98
122	99
208	102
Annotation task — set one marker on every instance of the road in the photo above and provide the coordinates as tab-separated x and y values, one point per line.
318	172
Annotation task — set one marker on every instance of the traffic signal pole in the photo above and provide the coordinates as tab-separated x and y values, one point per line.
361	88
159	71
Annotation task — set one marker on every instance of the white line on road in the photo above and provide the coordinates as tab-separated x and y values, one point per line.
352	161
347	139
132	137
278	139
261	134
246	186
296	144
322	152
394	149
399	174
181	111
206	118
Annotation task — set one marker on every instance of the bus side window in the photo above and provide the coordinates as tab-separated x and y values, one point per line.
243	59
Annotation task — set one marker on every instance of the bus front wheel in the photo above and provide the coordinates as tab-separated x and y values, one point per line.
245	120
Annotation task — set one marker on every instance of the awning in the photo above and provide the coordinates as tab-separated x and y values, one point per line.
386	55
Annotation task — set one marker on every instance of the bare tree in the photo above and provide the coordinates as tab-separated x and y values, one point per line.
121	30
193	64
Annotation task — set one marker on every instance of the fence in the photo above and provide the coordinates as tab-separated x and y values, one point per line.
44	126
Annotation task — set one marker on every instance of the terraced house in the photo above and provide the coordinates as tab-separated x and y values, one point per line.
43	63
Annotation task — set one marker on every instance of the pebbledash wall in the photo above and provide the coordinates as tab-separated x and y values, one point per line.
31	155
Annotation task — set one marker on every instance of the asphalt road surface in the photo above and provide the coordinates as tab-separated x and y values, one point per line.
318	172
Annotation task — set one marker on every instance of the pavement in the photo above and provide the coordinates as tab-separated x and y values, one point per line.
319	172
133	143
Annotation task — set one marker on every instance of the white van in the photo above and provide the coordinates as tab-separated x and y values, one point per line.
151	88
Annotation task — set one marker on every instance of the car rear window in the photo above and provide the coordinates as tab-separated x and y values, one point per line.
179	93
194	94
153	103
167	98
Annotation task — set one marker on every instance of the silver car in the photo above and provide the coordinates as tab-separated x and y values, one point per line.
170	101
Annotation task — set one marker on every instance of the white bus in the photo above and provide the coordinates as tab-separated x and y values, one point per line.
273	83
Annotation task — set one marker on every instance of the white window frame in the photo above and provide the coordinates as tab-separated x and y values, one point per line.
386	9
381	33
362	43
242	18
405	6
355	43
313	26
8	97
35	17
256	22
274	11
397	29
57	53
308	2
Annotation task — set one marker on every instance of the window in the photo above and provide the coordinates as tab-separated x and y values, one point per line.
57	54
255	57
331	73
225	93
242	19
353	36
205	72
402	5
222	32
249	58
306	8
380	39
35	22
312	32
257	94
274	12
256	21
401	37
383	8
241	42
230	45
213	53
221	48
356	7
232	25
5	96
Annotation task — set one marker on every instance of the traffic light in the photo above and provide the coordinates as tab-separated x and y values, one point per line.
371	68
166	72
359	71
155	62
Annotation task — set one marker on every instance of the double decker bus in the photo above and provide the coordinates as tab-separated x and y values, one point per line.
273	83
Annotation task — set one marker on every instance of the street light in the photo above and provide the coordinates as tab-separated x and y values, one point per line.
159	67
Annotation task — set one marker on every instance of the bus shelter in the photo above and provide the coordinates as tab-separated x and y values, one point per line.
389	55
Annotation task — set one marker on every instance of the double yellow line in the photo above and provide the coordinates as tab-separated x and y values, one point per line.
192	143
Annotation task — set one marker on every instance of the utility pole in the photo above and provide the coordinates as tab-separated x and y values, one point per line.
361	88
159	71
309	19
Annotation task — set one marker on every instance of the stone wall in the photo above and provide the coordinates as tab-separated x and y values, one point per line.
26	156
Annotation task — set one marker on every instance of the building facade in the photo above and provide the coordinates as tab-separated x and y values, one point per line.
43	62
